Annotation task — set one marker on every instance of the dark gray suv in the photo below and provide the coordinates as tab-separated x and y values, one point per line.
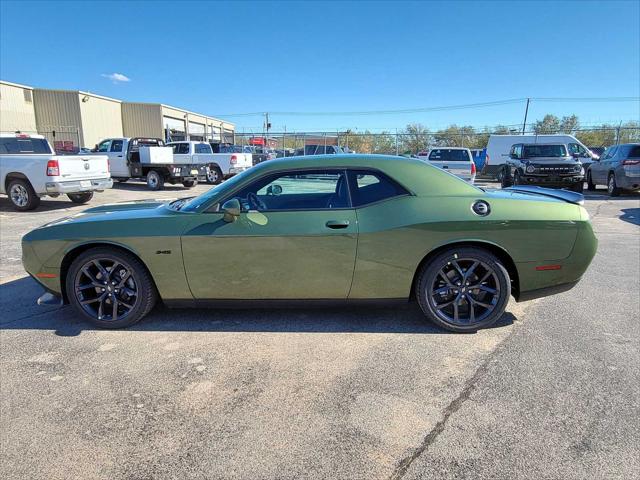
618	168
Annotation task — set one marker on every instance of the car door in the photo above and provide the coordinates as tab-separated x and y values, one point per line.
295	238
602	168
181	152
117	161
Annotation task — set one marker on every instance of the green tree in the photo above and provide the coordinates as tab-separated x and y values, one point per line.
569	124
549	124
415	138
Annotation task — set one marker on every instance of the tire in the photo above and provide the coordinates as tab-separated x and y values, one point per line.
516	178
22	196
155	181
494	291
84	282
500	176
590	185
506	181
189	183
577	187
214	176
612	186
80	197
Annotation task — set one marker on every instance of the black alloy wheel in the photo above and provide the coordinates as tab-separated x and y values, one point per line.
464	289
110	288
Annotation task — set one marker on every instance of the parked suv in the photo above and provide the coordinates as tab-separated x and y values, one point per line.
618	168
545	165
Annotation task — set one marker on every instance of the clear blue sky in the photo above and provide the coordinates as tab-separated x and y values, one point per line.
236	57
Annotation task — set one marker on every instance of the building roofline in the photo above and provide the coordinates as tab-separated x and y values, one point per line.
181	110
79	92
19	85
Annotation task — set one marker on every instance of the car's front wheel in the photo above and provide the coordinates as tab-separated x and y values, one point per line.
80	197
109	287
463	289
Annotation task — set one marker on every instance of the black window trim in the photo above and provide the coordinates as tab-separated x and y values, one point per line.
216	206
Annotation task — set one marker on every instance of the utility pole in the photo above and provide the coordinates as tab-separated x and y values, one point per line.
526	111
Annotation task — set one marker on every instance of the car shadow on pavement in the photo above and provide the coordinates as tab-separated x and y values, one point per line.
141	186
60	203
17	302
631	215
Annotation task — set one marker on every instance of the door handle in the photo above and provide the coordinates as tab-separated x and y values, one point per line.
336	224
120	156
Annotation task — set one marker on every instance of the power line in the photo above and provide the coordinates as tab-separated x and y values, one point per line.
441	108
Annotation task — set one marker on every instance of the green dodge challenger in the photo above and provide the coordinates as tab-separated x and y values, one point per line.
332	228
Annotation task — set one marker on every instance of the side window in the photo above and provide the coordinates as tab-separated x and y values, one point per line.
104	146
180	148
370	187
298	190
517	151
116	146
203	148
577	150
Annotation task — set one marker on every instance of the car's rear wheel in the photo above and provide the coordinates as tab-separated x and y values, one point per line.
214	175
463	289
110	288
155	181
612	186
22	195
590	185
80	197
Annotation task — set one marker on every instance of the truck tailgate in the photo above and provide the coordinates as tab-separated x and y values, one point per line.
245	160
81	167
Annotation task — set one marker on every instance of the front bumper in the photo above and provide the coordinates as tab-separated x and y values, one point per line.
77	186
551	181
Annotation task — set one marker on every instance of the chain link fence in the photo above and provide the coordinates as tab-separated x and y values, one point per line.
412	143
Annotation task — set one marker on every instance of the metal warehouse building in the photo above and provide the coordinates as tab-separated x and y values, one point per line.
16	108
163	121
72	118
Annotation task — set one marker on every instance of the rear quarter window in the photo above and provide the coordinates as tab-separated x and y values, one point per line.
10	145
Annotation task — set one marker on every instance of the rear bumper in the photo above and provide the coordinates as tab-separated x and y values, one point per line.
77	186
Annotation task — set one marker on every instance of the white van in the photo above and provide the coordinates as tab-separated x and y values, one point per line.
499	147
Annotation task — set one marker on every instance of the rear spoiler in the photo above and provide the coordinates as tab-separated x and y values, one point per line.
566	195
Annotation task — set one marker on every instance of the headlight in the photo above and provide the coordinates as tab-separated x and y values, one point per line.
531	169
577	168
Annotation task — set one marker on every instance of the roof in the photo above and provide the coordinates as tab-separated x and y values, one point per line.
79	92
11	84
417	176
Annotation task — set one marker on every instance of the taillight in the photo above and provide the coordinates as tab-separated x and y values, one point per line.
53	169
234	159
631	162
473	168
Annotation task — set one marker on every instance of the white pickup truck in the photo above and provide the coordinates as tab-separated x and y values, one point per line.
148	159
213	167
29	170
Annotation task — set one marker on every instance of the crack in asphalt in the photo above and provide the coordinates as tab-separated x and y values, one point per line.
403	466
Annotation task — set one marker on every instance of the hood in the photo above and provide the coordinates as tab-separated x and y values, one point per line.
138	209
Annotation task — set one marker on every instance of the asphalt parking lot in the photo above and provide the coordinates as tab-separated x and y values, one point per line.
552	391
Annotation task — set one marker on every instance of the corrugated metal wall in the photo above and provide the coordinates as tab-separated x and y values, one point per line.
142	120
101	118
58	111
16	113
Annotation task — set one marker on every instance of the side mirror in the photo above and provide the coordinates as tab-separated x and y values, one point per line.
231	209
513	155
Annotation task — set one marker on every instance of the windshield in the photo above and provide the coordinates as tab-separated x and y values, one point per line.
532	151
194	203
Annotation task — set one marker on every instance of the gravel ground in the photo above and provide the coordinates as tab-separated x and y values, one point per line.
550	392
